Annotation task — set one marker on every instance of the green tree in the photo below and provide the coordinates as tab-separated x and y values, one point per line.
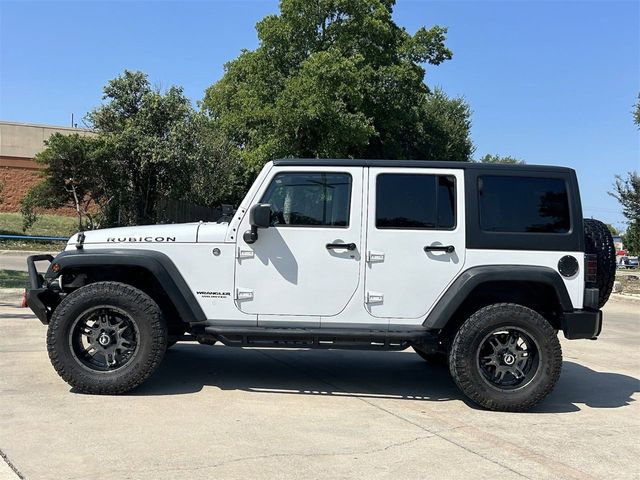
613	230
148	145
631	238
75	175
148	138
636	112
488	158
627	192
338	78
218	174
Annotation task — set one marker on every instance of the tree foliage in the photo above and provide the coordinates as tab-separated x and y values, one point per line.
636	112
631	238
149	138
147	145
627	192
488	158
338	78
330	78
76	175
613	230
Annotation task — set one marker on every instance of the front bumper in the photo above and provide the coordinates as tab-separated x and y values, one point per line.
39	297
582	324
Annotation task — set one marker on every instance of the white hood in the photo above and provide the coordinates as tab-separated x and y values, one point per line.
150	234
171	233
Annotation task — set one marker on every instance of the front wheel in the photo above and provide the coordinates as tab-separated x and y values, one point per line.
106	338
506	357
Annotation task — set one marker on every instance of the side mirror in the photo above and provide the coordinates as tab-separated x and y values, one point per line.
259	217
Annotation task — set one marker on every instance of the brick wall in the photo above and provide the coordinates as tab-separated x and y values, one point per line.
19	143
17	181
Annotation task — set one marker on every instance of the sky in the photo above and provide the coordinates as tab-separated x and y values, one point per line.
551	82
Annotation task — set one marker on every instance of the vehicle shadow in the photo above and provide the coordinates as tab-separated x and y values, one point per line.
188	368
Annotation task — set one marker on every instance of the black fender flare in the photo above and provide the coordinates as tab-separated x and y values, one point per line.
473	277
156	263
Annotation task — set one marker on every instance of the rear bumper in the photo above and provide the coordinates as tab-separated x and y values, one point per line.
582	324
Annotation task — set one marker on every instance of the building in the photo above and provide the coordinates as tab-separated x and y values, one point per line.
19	143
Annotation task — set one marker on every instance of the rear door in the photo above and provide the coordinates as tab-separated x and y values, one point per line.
415	240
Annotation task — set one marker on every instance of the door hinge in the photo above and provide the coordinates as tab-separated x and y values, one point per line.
244	253
244	294
375	297
373	257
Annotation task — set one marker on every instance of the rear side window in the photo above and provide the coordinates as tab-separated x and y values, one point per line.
523	204
309	199
413	201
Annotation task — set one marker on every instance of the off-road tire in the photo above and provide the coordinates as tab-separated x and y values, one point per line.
463	362
598	241
436	359
150	349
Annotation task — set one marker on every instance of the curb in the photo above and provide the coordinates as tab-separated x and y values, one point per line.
11	297
625	298
26	252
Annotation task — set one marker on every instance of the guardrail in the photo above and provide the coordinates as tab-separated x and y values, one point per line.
34	238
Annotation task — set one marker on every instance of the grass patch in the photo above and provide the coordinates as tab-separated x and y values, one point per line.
46	225
630	282
13	279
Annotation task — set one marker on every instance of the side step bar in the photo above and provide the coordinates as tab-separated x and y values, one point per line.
320	338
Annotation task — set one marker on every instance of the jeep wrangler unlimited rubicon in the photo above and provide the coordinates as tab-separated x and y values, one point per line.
478	266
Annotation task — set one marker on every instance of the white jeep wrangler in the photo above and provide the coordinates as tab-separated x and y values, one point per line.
475	265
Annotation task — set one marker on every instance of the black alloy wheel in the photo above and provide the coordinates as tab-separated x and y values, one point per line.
104	338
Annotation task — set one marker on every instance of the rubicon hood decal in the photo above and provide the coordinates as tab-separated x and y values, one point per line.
141	239
174	233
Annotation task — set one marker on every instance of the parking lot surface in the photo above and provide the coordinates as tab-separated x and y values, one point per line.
220	412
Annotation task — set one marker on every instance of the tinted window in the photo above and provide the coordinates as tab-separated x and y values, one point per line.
309	199
523	204
415	201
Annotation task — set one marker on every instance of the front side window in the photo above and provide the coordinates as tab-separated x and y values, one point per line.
415	201
309	199
523	204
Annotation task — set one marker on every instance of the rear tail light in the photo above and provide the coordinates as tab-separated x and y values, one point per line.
591	268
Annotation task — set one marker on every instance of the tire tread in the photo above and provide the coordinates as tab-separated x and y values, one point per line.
459	358
83	381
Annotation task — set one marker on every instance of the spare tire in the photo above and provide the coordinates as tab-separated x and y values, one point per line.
598	242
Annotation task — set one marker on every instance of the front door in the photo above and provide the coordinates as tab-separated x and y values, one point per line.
306	264
415	240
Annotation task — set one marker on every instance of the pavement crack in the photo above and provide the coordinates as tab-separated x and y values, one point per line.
11	465
399	417
278	455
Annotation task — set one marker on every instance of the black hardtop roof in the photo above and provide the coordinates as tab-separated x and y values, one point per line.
348	162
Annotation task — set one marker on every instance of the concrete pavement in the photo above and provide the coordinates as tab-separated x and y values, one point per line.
17	259
220	412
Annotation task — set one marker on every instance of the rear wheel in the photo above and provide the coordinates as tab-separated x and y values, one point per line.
106	338
506	357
